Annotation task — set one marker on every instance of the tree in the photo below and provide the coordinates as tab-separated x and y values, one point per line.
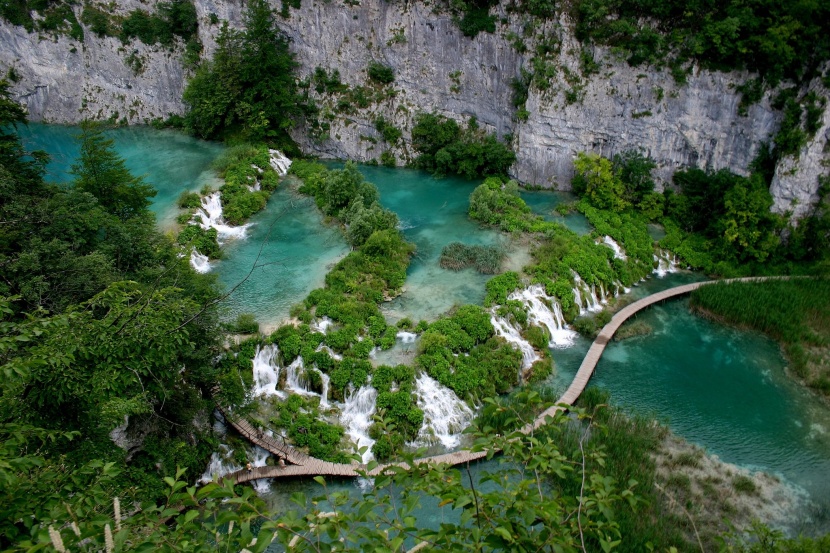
249	87
747	229
634	170
102	173
596	179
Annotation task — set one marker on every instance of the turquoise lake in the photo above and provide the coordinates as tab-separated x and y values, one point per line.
719	387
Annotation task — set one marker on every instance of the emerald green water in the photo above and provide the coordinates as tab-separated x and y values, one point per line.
719	387
171	161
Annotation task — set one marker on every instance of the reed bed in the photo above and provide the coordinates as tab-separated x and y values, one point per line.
485	259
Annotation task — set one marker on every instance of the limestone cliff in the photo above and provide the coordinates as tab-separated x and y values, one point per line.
613	108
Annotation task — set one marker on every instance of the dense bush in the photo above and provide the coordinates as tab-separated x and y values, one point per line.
777	40
173	19
245	168
445	148
203	240
380	73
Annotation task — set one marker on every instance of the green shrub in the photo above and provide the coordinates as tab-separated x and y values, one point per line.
380	73
485	259
189	200
204	240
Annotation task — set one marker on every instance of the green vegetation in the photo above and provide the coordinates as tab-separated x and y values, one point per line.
795	312
54	16
777	40
485	259
304	425
445	148
101	324
245	168
173	19
491	366
204	241
398	417
379	73
248	89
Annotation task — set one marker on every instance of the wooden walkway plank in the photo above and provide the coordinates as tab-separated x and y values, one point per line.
305	465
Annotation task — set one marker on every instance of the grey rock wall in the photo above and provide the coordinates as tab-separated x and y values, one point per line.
437	70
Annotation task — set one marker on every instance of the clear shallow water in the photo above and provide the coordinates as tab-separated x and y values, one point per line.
296	250
543	202
170	161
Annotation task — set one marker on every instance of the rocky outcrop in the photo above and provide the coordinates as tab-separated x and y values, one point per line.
437	69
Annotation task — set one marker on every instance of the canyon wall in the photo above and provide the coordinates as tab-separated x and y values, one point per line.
437	69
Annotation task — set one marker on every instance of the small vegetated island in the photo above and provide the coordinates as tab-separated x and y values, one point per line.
114	351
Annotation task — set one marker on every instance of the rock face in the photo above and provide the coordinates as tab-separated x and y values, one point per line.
437	69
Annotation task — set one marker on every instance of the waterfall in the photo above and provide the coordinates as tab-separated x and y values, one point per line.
221	463
445	416
587	300
665	263
324	395
618	251
321	325
356	418
279	162
333	354
406	337
199	262
539	313
512	335
210	216
266	371
294	380
260	460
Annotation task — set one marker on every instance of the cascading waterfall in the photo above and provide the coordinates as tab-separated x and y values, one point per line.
321	325
512	335
333	354
279	162
445	416
586	298
666	263
406	337
356	418
266	371
221	463
324	394
544	310
260	458
619	253
210	216
199	262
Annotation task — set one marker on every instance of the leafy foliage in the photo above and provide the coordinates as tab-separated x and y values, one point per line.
248	88
485	259
380	73
446	148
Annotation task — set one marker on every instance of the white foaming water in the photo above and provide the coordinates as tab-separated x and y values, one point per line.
356	418
279	162
324	395
321	325
618	251
406	337
544	310
199	262
221	463
333	354
260	459
210	216
445	416
512	335
586	298
266	371
666	263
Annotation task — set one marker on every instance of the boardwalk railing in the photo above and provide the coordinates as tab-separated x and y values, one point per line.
304	465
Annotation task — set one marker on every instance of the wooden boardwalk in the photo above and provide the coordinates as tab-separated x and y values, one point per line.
299	464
